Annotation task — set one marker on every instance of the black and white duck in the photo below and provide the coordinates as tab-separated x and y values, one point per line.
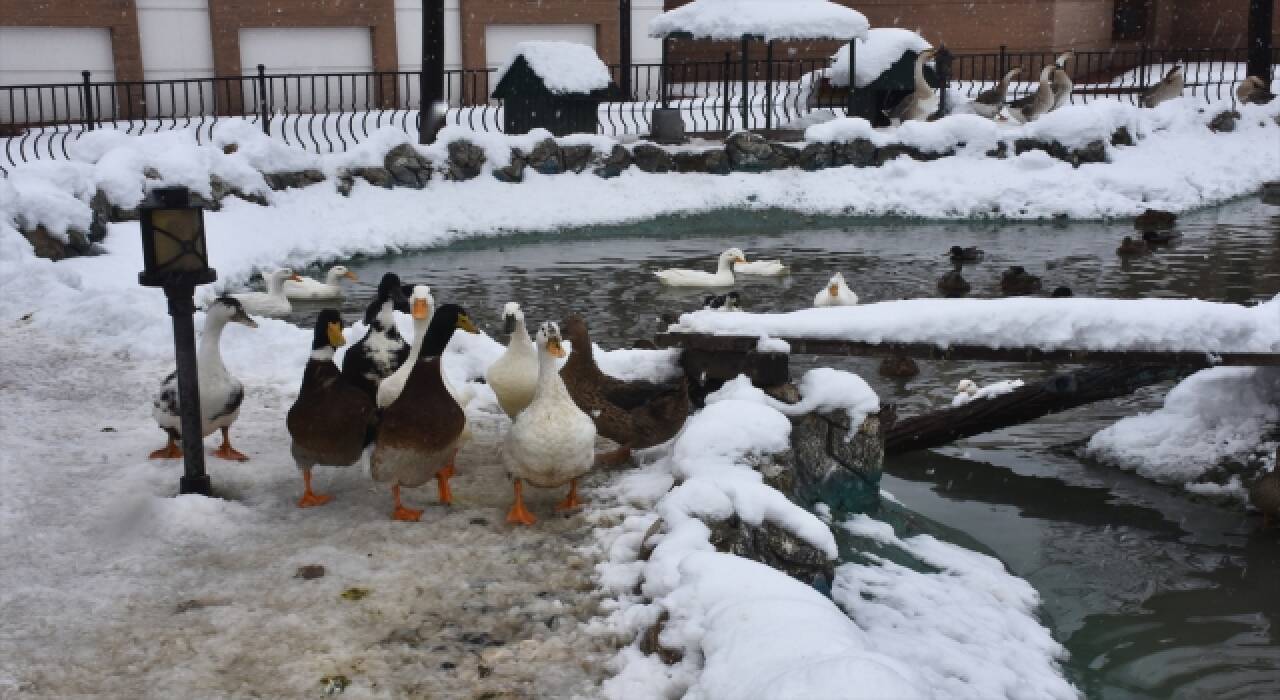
332	417
220	392
382	350
723	302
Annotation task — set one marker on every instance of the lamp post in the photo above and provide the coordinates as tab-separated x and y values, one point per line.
176	259
431	79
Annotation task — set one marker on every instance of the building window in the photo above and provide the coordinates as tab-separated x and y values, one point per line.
1131	19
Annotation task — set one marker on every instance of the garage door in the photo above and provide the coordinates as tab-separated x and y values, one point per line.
311	51
35	55
501	39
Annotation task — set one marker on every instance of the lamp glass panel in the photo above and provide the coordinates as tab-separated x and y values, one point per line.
179	240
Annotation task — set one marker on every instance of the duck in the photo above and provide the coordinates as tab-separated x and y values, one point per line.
1155	220
989	103
722	277
1253	91
1129	247
552	441
899	367
761	268
331	419
836	293
1264	494
953	284
1061	81
420	432
1155	238
331	288
272	302
1038	103
421	307
1016	281
220	392
634	414
382	350
1061	293
514	376
922	102
967	387
964	255
1165	90
723	302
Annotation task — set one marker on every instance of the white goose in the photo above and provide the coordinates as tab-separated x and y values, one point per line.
272	302
422	305
552	442
722	277
514	377
220	392
923	102
836	293
330	288
761	268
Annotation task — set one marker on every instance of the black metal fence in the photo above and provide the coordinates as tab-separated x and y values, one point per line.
332	112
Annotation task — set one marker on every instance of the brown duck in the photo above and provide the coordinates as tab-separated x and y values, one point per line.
333	417
634	414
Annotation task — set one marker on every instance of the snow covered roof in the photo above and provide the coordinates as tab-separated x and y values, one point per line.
565	67
771	19
877	52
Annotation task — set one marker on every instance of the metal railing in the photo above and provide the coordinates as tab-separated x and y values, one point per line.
332	112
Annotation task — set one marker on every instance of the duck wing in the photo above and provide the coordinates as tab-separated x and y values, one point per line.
630	395
659	419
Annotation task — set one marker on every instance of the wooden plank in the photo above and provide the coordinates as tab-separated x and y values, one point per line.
973	353
1019	406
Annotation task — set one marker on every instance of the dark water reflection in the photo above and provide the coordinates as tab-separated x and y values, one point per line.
1154	594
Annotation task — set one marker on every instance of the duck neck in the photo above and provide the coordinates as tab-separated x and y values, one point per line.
1003	89
550	386
385	319
210	354
725	267
419	338
322	354
275	285
922	86
520	342
582	359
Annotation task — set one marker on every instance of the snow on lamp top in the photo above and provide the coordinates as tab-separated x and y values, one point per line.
564	66
877	52
770	19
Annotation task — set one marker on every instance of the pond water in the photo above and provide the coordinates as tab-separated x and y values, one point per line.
1154	594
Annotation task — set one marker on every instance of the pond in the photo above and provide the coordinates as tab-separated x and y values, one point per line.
1155	595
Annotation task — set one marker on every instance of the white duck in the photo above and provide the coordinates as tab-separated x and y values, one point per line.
552	442
421	305
836	293
220	392
514	377
761	268
330	288
722	277
272	302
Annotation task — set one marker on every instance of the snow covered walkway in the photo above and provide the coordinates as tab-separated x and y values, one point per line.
110	586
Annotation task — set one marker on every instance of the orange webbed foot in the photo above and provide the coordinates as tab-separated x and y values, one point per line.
310	500
228	453
442	485
571	500
519	515
406	515
169	451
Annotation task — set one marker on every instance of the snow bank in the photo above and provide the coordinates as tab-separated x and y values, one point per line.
877	52
1211	416
564	66
770	19
1172	325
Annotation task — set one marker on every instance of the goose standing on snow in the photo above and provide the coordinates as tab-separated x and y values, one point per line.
220	392
514	376
722	277
1061	81
1253	91
1038	104
331	420
989	103
552	442
922	102
1166	89
273	302
836	293
331	288
381	351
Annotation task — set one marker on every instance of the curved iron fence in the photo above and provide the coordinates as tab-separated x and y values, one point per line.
332	112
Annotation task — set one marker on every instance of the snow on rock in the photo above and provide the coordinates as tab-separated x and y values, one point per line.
770	19
1173	325
967	630
877	52
1213	415
565	67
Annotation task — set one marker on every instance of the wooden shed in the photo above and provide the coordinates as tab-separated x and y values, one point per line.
553	85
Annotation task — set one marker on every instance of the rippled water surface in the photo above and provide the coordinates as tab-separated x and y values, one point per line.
1155	595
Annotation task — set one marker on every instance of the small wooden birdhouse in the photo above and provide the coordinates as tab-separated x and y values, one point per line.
554	85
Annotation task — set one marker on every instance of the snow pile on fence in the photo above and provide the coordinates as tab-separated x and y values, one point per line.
1150	325
732	627
730	20
565	67
877	52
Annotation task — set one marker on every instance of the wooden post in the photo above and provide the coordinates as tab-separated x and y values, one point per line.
1261	14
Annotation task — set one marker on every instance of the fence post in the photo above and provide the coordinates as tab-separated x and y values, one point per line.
1261	13
943	61
1004	62
662	74
746	87
849	109
725	88
624	47
431	81
89	116
264	112
768	85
